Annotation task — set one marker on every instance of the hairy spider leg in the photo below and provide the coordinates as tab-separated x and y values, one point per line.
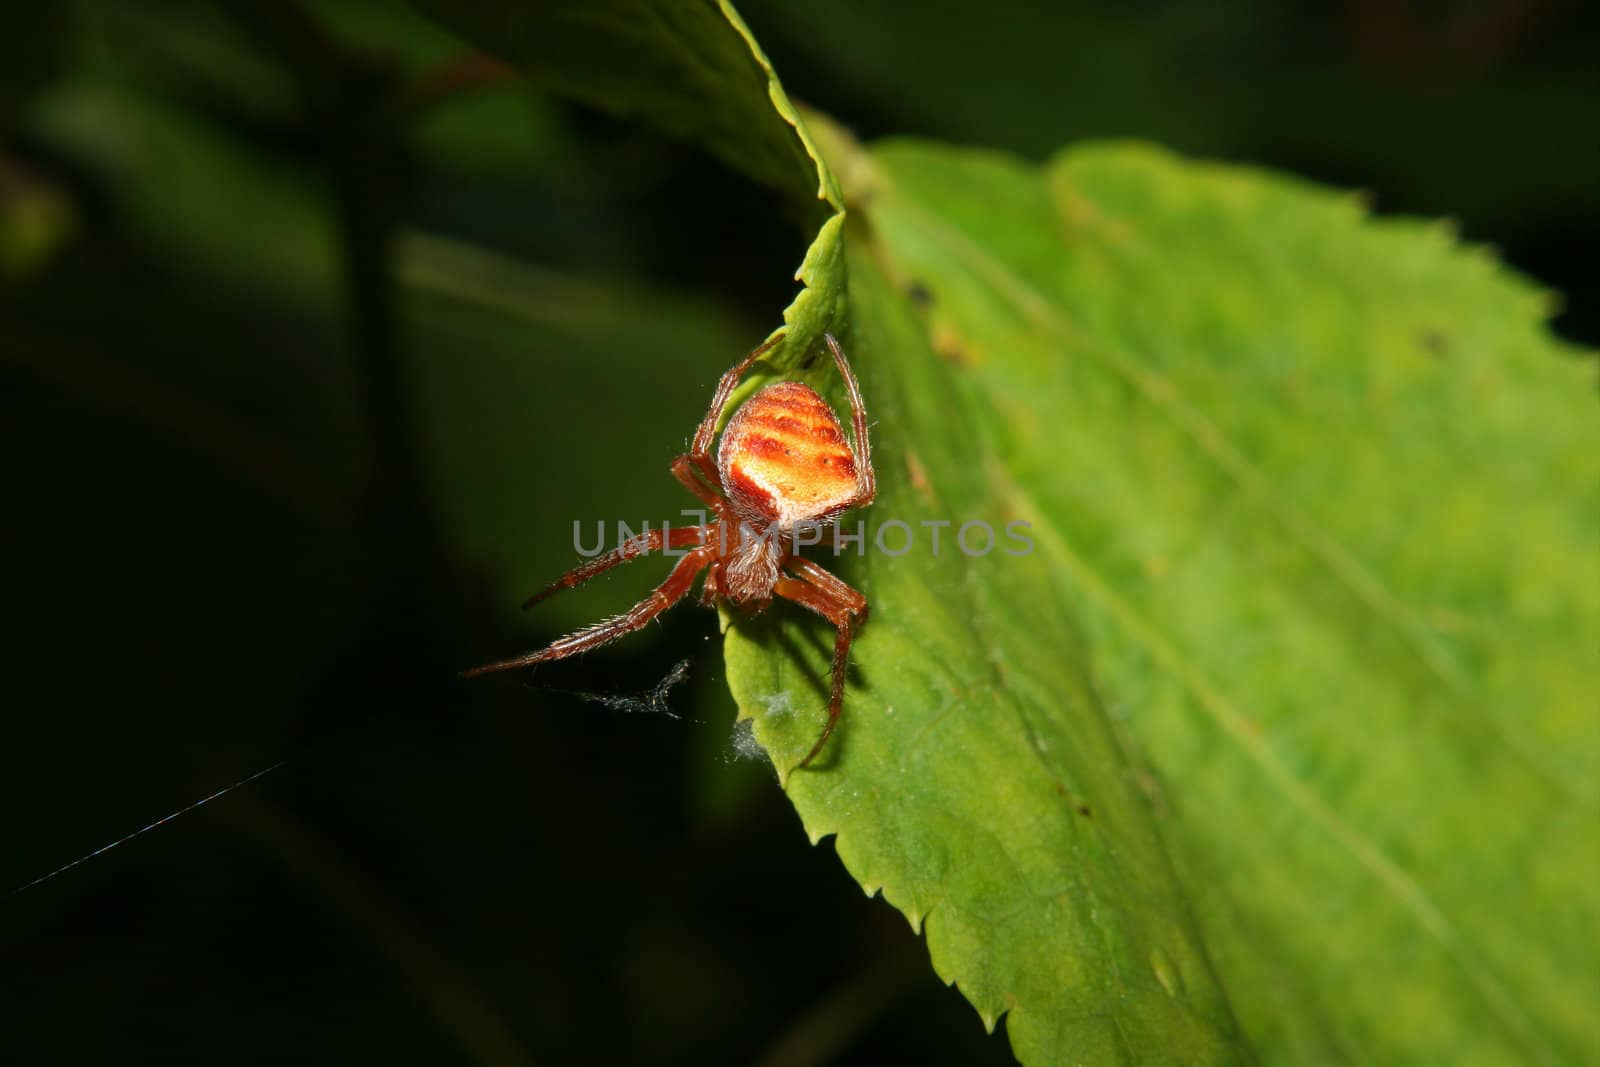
713	587
843	618
707	432
663	597
688	472
829	583
861	446
699	453
631	549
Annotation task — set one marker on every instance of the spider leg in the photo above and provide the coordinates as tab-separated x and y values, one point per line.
663	597
861	446
830	583
701	449
713	587
633	548
699	475
843	618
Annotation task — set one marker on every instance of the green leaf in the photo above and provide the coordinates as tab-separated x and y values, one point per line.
1281	741
693	71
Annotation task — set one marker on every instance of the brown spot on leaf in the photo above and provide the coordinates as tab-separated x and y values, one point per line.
917	475
948	346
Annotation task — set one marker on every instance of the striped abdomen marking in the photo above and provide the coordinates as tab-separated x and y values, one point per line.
784	457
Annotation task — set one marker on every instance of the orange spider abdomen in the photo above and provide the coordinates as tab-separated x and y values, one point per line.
784	458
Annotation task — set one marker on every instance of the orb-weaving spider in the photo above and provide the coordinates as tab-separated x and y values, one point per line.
783	466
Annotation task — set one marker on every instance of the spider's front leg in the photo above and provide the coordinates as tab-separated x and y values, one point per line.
631	549
713	586
663	597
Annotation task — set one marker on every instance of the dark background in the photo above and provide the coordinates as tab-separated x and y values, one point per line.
314	340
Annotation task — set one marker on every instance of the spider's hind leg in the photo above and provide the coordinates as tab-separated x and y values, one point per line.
701	449
845	614
861	445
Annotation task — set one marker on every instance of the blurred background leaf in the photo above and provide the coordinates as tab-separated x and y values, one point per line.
694	72
1472	110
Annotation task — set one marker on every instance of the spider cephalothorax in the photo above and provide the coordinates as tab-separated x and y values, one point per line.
784	465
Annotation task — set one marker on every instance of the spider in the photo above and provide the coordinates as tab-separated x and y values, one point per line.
783	466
